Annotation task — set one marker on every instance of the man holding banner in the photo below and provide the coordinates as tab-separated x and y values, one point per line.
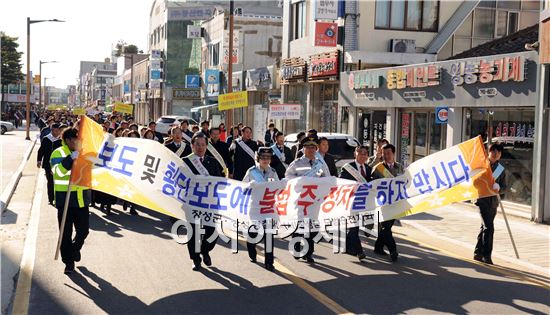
358	171
261	173
389	168
243	154
488	208
309	165
201	164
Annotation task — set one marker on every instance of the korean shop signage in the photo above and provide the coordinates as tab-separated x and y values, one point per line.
503	69
323	67
412	77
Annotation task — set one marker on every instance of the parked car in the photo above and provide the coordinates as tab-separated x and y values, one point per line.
164	123
342	146
6	126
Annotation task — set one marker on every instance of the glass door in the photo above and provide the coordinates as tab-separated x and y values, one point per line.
420	137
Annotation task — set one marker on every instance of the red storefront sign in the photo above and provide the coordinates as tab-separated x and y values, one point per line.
323	67
326	34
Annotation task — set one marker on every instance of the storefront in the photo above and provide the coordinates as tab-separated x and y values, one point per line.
429	107
323	113
294	88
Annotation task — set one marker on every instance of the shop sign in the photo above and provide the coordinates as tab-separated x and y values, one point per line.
323	67
326	34
412	77
233	100
185	93
488	92
236	44
504	69
326	9
193	31
511	132
285	111
237	81
441	115
155	64
414	94
192	81
405	130
258	79
364	80
189	13
154	85
155	75
155	54
212	80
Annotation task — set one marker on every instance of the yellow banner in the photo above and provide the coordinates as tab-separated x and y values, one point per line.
233	100
79	111
57	107
124	108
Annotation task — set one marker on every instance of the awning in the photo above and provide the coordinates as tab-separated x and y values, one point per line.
199	108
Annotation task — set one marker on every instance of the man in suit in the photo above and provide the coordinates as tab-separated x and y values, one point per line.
358	171
185	130
205	125
177	145
221	148
377	157
158	136
47	145
282	156
201	164
387	169
298	146
269	137
488	207
310	133
243	153
329	158
48	129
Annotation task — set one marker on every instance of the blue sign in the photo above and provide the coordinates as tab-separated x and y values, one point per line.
441	115
155	74
192	81
212	82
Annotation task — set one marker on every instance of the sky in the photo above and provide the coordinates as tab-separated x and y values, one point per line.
92	27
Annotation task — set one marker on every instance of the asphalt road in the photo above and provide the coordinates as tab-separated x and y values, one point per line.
130	264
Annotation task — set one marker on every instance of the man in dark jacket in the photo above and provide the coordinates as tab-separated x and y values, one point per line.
269	137
47	129
158	136
177	145
282	156
185	130
387	169
243	154
329	158
201	164
488	207
221	148
47	145
358	171
298	146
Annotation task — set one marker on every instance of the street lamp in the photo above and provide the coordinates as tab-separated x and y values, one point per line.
40	82
28	107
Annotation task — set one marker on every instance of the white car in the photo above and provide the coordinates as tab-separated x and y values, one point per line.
6	126
341	146
164	123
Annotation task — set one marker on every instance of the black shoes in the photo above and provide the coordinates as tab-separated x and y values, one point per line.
69	268
379	251
269	267
361	256
309	259
207	260
133	211
197	265
488	260
478	258
393	256
253	260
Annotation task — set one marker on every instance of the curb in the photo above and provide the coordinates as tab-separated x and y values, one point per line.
12	184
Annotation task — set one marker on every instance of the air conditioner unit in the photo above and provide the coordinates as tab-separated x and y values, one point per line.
403	46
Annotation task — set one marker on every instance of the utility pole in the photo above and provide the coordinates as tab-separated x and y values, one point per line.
229	116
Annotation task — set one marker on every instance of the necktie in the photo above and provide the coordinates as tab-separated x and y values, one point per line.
311	162
363	171
202	160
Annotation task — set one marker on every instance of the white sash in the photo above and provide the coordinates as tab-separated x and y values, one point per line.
216	155
355	173
498	171
195	160
246	148
186	137
180	149
280	155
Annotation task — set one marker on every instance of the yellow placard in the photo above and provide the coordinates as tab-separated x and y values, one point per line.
56	107
233	100
79	111
124	108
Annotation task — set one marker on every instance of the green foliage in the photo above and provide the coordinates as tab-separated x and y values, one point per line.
11	60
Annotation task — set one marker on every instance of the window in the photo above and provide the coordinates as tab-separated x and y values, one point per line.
299	20
215	54
410	15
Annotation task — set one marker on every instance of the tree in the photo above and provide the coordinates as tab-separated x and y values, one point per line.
123	48
131	49
11	63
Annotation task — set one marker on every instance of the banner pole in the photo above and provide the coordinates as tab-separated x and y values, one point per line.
508	226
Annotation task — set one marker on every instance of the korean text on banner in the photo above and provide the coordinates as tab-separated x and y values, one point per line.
124	108
285	111
148	174
79	111
233	100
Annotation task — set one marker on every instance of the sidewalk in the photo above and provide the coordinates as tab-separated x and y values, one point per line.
458	224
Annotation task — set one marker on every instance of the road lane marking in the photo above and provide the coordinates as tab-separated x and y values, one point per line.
308	288
501	270
24	281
